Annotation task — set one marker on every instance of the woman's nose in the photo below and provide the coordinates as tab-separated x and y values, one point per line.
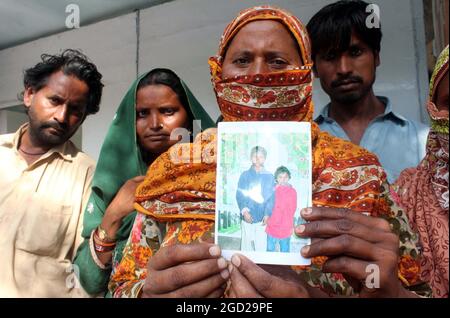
155	122
259	66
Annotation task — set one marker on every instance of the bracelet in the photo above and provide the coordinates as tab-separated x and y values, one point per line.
104	267
99	241
103	249
103	236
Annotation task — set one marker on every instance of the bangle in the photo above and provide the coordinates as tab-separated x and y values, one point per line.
99	263
99	241
103	249
103	236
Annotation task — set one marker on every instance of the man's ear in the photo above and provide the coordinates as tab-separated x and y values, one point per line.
28	96
315	73
377	58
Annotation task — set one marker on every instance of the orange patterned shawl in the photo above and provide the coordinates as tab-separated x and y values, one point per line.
344	175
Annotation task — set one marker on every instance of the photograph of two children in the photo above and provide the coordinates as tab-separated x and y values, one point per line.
263	181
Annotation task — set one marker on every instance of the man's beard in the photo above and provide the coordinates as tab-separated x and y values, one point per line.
39	132
349	98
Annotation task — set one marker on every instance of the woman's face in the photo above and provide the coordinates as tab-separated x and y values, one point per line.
158	112
261	47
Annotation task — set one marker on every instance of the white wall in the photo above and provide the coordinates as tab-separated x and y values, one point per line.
183	34
110	44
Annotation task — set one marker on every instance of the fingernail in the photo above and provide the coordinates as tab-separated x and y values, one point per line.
306	211
222	263
301	228
305	250
236	260
230	268
225	274
214	250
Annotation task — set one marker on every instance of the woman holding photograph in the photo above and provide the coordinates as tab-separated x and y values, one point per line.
156	103
265	52
280	224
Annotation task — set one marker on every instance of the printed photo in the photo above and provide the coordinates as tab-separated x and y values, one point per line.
263	181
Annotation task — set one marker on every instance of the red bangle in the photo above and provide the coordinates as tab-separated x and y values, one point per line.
103	249
102	243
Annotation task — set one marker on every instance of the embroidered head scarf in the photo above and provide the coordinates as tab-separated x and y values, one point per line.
284	95
344	175
423	191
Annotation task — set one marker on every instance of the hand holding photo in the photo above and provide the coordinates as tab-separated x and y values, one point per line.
263	181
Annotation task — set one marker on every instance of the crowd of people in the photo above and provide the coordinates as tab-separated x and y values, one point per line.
139	224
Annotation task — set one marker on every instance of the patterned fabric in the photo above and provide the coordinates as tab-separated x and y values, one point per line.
423	193
180	196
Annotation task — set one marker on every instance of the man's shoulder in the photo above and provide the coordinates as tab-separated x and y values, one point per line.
83	160
419	126
6	139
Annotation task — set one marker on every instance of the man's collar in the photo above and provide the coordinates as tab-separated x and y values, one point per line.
388	112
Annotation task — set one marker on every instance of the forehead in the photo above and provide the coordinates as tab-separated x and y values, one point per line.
156	93
259	154
343	43
66	85
263	34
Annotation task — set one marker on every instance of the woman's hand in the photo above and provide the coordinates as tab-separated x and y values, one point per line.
361	247
185	271
249	280
120	206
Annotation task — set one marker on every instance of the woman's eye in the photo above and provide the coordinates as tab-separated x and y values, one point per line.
168	111
240	61
141	113
279	63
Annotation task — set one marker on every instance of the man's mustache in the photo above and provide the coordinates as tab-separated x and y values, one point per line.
346	80
55	125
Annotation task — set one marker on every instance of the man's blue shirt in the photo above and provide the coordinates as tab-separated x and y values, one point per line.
256	192
398	142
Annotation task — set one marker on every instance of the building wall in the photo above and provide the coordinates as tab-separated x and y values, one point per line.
183	34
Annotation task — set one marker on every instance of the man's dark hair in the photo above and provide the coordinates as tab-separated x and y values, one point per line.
70	62
280	170
331	28
258	149
164	76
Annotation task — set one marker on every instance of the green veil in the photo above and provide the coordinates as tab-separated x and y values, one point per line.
120	160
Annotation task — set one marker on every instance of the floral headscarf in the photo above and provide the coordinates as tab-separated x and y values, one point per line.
284	95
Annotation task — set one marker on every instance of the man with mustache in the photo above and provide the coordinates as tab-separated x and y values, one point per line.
346	53
46	180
